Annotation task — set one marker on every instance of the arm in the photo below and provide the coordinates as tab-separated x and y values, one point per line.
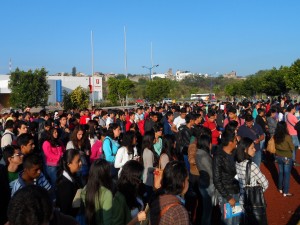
217	177
119	157
259	177
290	143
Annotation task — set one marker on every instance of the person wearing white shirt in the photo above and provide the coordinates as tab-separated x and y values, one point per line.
110	119
180	120
128	151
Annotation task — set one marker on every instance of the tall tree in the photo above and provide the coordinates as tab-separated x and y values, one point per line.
29	88
292	75
157	89
118	89
80	97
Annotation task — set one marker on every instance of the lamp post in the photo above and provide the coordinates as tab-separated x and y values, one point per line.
150	69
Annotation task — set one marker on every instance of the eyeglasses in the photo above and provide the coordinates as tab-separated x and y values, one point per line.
18	154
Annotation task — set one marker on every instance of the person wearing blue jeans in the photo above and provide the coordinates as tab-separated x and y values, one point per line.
285	166
284	155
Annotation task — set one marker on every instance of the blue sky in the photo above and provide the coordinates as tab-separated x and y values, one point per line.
194	35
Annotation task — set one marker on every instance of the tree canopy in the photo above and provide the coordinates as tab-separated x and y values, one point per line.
29	88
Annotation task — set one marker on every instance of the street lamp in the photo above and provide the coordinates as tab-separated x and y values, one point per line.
150	69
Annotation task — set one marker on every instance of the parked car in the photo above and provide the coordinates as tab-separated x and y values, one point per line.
167	100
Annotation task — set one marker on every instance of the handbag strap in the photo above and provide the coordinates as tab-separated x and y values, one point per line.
166	208
248	173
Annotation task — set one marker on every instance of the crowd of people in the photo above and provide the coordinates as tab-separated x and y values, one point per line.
98	166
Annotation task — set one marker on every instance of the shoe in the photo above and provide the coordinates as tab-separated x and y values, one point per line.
296	164
280	191
287	195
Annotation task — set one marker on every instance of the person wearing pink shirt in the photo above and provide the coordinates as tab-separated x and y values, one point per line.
53	150
291	121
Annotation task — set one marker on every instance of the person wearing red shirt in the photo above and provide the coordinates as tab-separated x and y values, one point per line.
130	121
85	118
212	125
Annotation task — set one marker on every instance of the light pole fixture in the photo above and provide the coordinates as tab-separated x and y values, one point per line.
150	69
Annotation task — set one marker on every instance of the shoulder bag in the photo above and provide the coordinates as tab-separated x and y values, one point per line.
271	146
254	201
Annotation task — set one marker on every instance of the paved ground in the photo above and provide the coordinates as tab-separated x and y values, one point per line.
282	210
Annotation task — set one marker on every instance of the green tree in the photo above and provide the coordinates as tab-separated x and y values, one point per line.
67	102
292	75
80	97
29	88
118	89
157	89
74	71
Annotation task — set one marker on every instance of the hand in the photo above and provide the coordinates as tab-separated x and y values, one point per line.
141	216
232	202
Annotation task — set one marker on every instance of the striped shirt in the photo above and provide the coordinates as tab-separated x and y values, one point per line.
256	177
40	181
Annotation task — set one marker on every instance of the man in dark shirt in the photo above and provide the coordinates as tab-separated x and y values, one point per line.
224	173
253	131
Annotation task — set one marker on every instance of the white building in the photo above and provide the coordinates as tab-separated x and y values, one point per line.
180	75
57	85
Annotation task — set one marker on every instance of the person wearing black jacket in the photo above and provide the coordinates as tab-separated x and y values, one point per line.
224	172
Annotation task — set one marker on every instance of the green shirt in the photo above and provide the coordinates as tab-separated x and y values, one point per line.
12	176
121	214
103	205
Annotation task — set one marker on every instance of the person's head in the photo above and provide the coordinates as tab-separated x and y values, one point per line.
48	125
26	143
280	132
175	179
131	116
169	146
204	143
78	134
170	116
114	130
211	115
232	113
97	112
158	130
12	155
112	114
129	181
21	127
26	116
63	119
148	140
273	112
198	119
9	125
99	176
291	108
153	116
104	114
70	162
190	119
129	141
245	149
32	164
229	140
261	111
232	126
183	113
92	126
249	121
122	116
30	205
43	113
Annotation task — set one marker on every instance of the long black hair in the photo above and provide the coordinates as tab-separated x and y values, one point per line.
280	132
99	176
64	162
54	142
243	145
129	182
127	141
203	143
